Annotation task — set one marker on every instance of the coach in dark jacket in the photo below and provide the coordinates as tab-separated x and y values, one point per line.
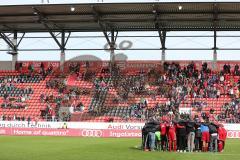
181	136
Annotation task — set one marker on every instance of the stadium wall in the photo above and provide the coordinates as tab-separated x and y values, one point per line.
123	65
6	65
85	129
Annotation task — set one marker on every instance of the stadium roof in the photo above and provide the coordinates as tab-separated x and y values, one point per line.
202	16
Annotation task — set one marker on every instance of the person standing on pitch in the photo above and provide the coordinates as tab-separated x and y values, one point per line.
190	135
198	137
205	137
163	128
181	136
172	139
222	135
158	140
213	137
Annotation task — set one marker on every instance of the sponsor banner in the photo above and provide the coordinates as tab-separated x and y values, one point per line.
198	64
233	134
124	65
88	125
232	127
38	132
136	65
37	64
101	133
91	65
85	129
185	110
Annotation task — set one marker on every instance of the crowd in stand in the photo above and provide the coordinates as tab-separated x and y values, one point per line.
15	117
16	96
189	82
177	84
174	82
66	97
32	71
57	84
74	67
139	110
13	97
230	112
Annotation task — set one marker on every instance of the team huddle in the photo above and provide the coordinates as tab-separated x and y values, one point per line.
183	136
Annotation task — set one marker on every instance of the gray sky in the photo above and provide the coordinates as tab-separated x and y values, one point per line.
137	42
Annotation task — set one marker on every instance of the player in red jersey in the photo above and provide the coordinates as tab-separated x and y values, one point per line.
172	138
222	135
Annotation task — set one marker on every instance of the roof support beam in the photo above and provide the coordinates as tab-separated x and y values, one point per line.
65	43
112	46
104	32
100	23
162	36
161	33
215	18
6	26
53	36
43	20
21	39
215	40
111	42
8	41
62	54
15	51
62	42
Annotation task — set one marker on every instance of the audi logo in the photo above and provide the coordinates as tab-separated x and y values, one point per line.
91	133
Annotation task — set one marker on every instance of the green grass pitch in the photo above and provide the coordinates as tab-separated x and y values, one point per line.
74	148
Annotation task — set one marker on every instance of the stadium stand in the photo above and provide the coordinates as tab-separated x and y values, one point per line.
176	90
37	90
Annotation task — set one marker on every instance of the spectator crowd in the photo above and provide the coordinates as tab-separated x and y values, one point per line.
173	82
